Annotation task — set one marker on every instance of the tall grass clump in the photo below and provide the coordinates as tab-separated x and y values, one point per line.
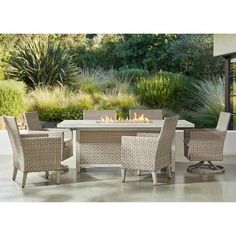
164	90
94	81
119	102
57	104
40	61
91	80
207	102
12	98
134	74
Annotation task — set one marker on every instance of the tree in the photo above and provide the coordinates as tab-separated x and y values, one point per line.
192	54
145	51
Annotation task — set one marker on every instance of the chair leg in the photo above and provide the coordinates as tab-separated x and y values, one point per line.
168	169
123	174
24	179
139	172
14	173
154	178
58	175
46	174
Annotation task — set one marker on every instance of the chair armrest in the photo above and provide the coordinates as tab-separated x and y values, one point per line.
207	135
67	132
42	153
138	153
205	145
212	134
34	135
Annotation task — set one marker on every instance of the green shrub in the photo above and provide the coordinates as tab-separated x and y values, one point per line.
58	104
192	55
165	90
12	97
40	61
119	102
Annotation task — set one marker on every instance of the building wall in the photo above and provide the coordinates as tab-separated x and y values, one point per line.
224	44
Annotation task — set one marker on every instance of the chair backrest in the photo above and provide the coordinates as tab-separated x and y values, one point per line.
32	121
150	114
223	121
14	136
165	141
97	114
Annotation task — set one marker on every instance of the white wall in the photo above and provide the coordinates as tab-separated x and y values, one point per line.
224	44
5	146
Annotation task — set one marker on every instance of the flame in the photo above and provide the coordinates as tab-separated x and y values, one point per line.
136	119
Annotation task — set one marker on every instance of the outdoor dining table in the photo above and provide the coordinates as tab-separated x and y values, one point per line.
97	144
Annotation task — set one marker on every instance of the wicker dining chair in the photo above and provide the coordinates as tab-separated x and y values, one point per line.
97	114
149	153
206	145
151	114
34	152
34	124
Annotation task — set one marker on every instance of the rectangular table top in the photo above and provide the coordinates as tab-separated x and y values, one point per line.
94	124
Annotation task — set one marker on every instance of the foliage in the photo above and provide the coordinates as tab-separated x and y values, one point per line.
192	54
134	74
39	61
119	102
164	90
122	51
58	104
7	42
94	81
207	102
144	51
90	80
12	97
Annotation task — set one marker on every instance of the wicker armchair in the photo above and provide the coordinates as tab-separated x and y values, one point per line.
34	152
34	124
151	114
149	153
97	114
206	145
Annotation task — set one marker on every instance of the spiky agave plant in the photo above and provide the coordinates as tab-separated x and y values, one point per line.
39	61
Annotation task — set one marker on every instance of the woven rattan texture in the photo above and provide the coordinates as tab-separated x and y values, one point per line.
207	144
104	136
41	154
32	121
33	124
33	153
149	153
100	153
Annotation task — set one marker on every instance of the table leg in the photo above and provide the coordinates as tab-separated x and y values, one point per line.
76	152
173	153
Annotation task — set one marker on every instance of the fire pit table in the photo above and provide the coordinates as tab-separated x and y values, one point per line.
97	143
